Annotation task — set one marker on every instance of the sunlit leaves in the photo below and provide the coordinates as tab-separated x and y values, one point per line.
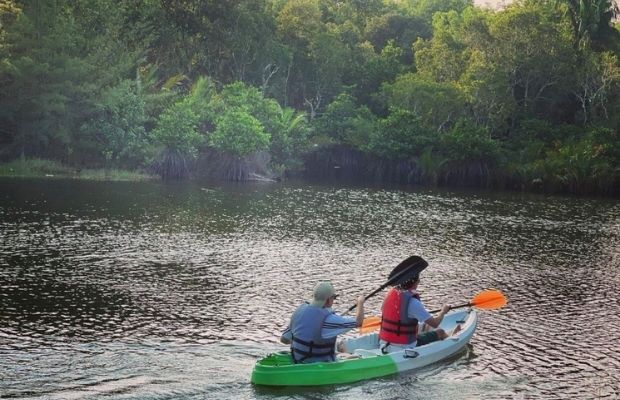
401	135
117	122
177	129
239	133
343	121
597	80
299	21
592	21
436	104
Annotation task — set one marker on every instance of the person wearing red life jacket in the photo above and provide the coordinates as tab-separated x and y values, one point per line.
403	312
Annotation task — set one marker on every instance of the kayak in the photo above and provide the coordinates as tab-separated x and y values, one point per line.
363	358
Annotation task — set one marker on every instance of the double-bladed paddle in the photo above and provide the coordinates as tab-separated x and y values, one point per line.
485	300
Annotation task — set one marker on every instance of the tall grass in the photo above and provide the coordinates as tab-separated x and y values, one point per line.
33	167
40	168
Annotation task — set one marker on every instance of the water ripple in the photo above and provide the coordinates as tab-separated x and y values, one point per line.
173	291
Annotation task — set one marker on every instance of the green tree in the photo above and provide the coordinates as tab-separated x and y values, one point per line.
43	80
466	143
400	136
177	133
329	57
286	130
241	37
533	53
298	23
239	133
117	123
592	21
597	78
199	100
344	122
319	55
289	138
372	70
9	11
428	8
461	53
239	95
403	30
436	104
584	165
445	56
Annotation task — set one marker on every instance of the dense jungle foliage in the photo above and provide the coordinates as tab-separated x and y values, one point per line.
437	92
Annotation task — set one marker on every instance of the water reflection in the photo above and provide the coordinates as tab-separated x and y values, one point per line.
152	290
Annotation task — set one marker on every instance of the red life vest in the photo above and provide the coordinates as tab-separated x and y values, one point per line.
396	326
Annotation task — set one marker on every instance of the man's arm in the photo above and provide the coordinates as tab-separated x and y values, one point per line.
417	310
359	316
435	321
336	324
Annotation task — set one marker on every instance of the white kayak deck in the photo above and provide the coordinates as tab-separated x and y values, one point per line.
368	345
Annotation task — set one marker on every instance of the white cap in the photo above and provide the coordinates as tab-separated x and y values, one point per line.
322	292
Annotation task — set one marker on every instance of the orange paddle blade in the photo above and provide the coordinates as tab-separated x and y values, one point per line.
370	324
489	300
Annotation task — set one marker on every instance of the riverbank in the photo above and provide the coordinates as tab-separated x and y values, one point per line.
40	168
585	176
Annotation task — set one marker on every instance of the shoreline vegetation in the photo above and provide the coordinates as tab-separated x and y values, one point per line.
39	168
423	92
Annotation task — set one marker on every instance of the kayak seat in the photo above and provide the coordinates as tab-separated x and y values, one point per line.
365	342
366	353
278	359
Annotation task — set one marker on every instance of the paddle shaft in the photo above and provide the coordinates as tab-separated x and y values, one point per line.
378	322
453	307
487	299
369	296
432	312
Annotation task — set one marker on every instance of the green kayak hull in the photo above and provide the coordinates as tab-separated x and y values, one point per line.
278	369
365	359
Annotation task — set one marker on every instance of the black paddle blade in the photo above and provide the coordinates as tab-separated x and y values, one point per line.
408	269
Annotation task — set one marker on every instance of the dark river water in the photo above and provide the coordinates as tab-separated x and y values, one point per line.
173	291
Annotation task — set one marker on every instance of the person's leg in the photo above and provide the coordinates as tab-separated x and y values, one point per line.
441	334
428	337
435	335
